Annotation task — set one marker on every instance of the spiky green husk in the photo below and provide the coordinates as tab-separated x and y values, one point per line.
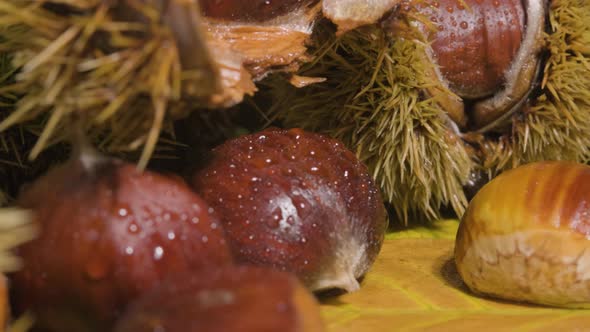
121	78
556	126
16	228
374	100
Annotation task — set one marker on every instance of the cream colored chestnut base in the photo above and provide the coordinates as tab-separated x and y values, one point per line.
541	267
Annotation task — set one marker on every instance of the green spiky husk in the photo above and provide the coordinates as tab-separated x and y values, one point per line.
121	78
556	124
375	100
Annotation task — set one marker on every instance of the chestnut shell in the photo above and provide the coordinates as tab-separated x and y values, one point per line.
296	201
475	45
526	236
107	235
245	299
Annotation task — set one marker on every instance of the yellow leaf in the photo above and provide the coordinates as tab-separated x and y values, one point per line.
414	287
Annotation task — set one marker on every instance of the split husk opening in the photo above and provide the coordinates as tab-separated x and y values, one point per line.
377	99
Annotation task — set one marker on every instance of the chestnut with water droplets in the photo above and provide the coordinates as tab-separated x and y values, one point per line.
296	201
475	45
526	236
251	10
487	52
245	299
109	233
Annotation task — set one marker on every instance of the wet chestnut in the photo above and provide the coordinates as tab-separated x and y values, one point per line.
246	299
526	236
474	65
108	233
296	201
252	10
486	51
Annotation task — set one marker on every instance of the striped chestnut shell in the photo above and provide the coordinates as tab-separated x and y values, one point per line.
526	236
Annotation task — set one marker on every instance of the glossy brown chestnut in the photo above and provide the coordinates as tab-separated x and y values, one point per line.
526	236
108	234
251	10
296	201
245	299
475	45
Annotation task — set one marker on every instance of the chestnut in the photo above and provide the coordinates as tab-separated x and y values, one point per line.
486	51
246	299
526	236
296	201
474	66
108	234
250	11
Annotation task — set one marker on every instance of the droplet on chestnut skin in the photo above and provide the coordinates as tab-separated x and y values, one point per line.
299	202
251	10
109	233
245	299
526	236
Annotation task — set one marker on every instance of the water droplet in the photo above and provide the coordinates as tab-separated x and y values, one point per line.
184	217
123	212
314	169
205	239
251	237
303	240
290	220
167	216
129	250
195	220
171	235
464	25
213	225
211	210
133	228
158	253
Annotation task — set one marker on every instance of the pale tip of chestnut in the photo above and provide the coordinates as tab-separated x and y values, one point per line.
339	280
